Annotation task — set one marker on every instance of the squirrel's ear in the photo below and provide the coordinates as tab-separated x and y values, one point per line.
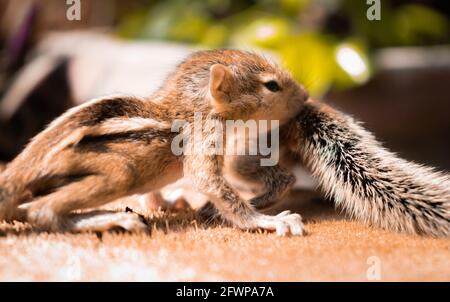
221	82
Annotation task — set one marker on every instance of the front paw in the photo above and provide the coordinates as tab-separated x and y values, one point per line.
283	224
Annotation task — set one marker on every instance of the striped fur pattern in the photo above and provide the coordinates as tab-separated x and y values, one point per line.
116	146
367	181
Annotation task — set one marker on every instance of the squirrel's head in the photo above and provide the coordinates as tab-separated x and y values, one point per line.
242	85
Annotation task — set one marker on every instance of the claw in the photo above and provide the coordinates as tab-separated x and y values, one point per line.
283	224
282	229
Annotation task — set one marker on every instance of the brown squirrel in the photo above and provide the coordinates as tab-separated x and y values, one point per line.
112	147
367	181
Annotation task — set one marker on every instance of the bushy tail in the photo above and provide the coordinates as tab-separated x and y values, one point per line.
366	180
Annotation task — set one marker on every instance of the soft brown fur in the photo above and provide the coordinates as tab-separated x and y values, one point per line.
111	147
369	182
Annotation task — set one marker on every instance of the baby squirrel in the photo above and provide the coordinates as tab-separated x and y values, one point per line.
367	181
112	147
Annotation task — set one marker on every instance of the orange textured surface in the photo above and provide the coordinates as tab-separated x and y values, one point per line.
180	248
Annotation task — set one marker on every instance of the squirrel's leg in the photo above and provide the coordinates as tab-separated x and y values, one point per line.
206	175
276	187
50	212
104	221
276	180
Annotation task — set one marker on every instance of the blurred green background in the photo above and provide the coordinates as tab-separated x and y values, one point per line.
393	74
325	44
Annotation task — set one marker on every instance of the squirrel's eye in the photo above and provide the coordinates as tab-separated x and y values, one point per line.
272	86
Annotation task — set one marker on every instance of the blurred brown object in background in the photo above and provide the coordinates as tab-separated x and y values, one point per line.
52	15
70	67
406	105
24	23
